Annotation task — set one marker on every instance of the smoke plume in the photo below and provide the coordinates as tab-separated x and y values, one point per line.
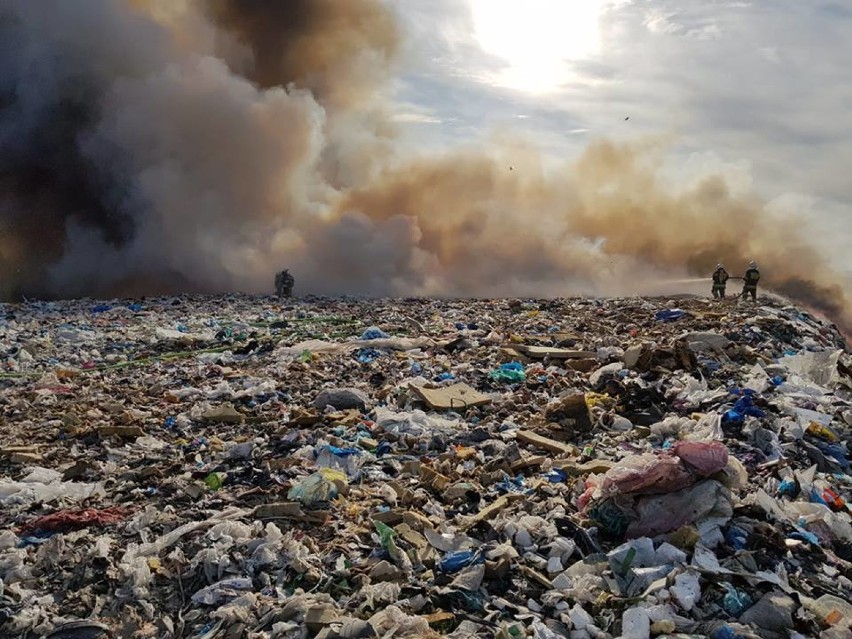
200	145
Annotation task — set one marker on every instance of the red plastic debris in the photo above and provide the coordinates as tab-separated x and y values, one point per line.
65	520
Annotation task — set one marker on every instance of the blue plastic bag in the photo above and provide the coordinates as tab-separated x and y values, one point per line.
455	561
374	332
669	315
735	602
513	372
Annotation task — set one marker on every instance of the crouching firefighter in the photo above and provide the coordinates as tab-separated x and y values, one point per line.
720	281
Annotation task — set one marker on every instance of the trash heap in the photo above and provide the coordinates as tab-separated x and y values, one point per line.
225	467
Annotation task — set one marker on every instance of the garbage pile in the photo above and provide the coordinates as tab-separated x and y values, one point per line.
224	467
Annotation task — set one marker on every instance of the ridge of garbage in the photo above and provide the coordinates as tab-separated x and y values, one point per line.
240	466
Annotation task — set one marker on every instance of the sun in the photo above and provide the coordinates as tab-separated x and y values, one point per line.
537	38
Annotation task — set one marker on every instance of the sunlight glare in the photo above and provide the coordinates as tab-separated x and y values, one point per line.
537	38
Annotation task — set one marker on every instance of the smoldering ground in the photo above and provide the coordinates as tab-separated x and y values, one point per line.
152	145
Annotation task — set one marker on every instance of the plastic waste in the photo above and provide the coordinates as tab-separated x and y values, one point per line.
831	610
512	373
318	488
735	602
374	332
669	315
454	561
222	591
346	460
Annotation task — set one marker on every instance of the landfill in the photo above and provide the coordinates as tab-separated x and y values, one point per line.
243	466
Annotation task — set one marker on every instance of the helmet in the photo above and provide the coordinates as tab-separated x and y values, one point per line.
752	264
719	266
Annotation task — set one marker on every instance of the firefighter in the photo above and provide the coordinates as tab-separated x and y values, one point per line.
752	277
284	282
720	280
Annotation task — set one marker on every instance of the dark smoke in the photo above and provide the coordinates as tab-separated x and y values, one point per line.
49	98
319	45
151	146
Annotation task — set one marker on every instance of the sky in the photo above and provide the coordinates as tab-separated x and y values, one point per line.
756	91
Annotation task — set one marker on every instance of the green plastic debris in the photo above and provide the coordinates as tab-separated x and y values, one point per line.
215	481
611	518
511	373
386	533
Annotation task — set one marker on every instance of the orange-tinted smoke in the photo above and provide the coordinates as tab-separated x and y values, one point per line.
491	216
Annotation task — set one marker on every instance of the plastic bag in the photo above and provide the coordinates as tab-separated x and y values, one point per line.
415	423
665	513
819	368
669	315
706	458
708	428
646	474
346	460
509	373
318	488
374	332
27	492
222	591
455	561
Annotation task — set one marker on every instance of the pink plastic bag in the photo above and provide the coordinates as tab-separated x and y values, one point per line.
706	458
646	475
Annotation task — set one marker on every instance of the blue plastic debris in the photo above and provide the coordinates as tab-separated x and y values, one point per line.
726	632
804	535
342	452
556	476
374	332
788	488
368	355
736	537
455	561
513	485
511	372
101	308
744	407
37	538
735	602
669	315
836	451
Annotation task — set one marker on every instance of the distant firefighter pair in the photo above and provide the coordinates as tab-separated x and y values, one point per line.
750	280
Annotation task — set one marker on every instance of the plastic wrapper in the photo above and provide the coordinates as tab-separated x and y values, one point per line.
416	423
222	591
